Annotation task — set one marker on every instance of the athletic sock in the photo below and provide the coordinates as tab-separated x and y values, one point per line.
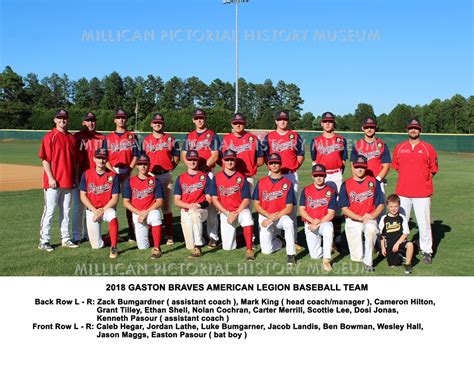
150	235
113	232
169	225
156	231
248	232
131	227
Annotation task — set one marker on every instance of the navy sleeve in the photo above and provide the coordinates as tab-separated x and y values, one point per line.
385	158
265	146
186	144
82	184
333	202
303	198
291	197
127	191
245	190
116	185
353	153
259	149
177	188
344	152
159	190
105	144
135	147
208	186
299	146
343	199
215	143
378	199
213	188
175	151
312	150
255	193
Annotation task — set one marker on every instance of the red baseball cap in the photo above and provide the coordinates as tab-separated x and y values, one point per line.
414	123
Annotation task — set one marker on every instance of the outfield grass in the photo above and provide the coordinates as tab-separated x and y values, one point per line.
20	214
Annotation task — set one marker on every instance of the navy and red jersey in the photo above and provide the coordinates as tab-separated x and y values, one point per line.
415	166
317	202
59	150
274	194
192	188
204	143
248	149
361	197
87	142
161	151
376	152
330	152
142	193
289	146
99	188
230	189
122	147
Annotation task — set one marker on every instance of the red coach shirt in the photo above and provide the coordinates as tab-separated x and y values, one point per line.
318	201
330	152
99	188
289	146
86	144
274	194
58	149
121	148
248	149
160	151
192	188
415	166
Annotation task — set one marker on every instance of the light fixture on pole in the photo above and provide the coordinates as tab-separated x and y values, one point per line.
227	2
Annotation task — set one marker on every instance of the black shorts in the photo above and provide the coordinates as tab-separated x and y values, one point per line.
396	259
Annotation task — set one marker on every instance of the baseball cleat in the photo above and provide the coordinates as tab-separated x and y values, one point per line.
327	265
291	260
113	253
212	243
368	269
195	253
298	247
70	244
156	253
408	269
249	255
427	258
170	241
46	247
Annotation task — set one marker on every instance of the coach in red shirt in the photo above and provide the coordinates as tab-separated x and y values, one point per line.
416	162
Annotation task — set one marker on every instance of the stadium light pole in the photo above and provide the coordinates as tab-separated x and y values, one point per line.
227	2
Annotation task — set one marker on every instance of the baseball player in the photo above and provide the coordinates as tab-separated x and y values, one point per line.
191	194
143	196
88	140
317	208
247	146
207	144
100	189
361	200
394	231
123	152
230	194
274	200
375	150
416	162
58	156
163	151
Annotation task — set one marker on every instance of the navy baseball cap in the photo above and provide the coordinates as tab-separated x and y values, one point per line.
282	115
238	118
192	155
328	117
274	158
318	169
229	155
101	153
120	113
199	113
369	122
89	116
158	117
62	113
360	162
414	123
143	160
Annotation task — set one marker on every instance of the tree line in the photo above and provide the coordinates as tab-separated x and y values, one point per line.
26	102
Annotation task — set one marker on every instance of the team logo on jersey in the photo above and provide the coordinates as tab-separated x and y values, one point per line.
379	145
192	188
110	179
130	137
328	194
338	139
360	197
228	191
315	203
142	194
208	135
285	186
239	180
121	146
93	189
201	178
292	136
371	185
251	139
150	182
271	196
169	139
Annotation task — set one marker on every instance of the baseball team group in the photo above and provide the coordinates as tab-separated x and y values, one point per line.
88	171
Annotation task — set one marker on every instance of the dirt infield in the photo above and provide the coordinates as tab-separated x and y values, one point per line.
20	177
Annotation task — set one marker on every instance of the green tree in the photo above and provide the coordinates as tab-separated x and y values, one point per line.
14	110
96	93
399	116
114	92
362	112
82	95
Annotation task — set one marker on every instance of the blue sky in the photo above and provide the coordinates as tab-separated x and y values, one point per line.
339	52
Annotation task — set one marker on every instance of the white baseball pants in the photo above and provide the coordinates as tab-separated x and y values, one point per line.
94	228
359	251
55	197
79	230
293	178
422	207
212	223
336	178
141	230
269	243
191	223
228	231
325	232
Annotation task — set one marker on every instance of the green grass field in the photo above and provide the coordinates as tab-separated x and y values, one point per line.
20	214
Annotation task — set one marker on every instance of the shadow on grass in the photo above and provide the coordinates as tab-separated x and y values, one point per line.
438	232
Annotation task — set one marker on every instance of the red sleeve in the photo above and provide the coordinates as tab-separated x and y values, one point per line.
395	157
45	148
433	160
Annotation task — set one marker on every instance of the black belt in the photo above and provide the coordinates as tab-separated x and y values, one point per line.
161	172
